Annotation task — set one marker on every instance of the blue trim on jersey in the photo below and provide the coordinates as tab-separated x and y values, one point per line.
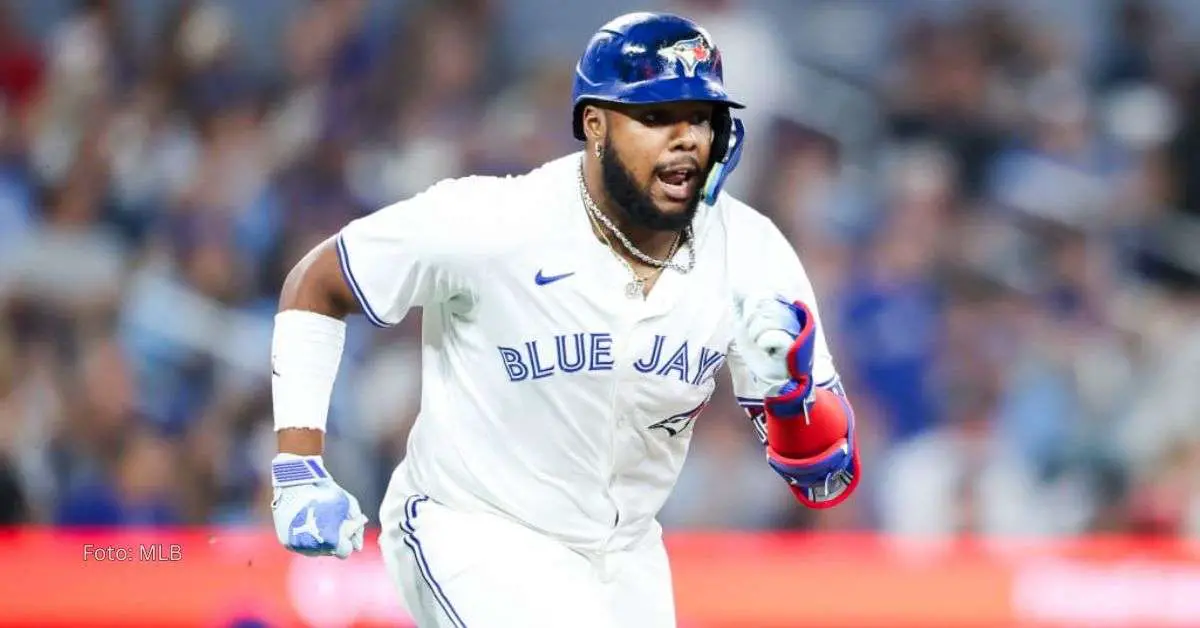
749	401
414	545
348	275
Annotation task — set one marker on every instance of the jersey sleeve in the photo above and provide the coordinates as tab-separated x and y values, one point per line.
764	262
413	253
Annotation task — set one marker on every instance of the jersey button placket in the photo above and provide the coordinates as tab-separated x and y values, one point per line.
621	352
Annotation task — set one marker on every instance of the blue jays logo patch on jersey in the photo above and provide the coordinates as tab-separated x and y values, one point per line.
678	424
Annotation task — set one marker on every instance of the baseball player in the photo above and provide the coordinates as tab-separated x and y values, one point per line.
576	319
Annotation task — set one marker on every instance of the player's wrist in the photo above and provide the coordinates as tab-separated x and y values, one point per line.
301	442
306	352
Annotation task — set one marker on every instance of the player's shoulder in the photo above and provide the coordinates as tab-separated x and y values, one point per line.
740	220
469	192
736	210
495	194
486	211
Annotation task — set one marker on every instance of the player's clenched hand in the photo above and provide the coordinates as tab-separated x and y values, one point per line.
767	328
313	515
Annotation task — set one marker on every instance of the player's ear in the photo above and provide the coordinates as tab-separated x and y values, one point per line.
594	123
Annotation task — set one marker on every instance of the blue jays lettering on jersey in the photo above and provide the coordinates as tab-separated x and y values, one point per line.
571	354
576	352
688	367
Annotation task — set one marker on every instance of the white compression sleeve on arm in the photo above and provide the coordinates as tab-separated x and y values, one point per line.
306	350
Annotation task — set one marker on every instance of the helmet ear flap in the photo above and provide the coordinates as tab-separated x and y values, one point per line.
728	136
722	125
577	121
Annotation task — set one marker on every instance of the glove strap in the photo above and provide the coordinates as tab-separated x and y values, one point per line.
294	470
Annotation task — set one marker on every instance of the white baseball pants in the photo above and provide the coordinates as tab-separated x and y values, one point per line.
475	570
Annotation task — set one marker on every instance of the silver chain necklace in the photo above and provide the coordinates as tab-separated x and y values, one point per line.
636	288
669	262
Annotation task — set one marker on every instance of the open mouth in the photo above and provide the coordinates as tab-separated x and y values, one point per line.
677	183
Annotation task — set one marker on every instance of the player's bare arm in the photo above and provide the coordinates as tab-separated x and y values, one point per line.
315	284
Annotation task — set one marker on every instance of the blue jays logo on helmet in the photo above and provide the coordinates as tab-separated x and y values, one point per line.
688	54
646	58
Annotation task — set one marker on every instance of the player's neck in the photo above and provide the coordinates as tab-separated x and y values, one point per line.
652	242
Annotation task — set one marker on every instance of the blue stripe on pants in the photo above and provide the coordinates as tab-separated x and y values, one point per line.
414	545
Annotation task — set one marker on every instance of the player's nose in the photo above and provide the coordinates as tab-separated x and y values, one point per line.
685	136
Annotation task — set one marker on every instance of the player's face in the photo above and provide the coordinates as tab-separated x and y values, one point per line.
654	161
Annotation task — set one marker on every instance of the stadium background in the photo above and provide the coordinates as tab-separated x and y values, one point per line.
997	201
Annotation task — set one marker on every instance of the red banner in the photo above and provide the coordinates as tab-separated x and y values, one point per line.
211	578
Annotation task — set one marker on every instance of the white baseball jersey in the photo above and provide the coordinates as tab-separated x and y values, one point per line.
548	395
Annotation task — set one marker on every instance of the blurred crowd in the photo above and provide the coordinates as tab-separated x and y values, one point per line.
998	202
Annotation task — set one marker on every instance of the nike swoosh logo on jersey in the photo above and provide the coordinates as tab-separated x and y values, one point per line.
543	280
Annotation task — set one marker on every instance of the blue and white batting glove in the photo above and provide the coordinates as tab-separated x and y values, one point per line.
313	515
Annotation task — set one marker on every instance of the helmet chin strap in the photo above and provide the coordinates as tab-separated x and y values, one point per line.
724	167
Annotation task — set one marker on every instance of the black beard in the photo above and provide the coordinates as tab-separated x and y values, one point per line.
635	202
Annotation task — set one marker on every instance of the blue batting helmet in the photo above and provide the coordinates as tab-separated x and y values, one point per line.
646	58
